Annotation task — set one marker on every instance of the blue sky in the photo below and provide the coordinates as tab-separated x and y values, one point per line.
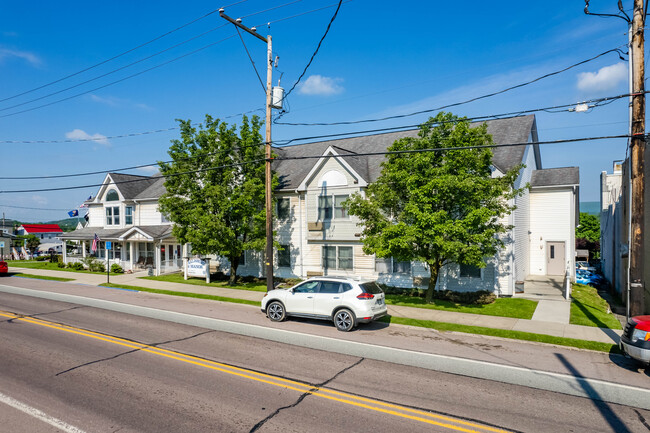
379	59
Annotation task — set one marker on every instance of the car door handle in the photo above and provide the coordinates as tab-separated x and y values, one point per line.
309	297
336	297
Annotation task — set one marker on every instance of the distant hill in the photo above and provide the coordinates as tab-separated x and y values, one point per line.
590	207
67	225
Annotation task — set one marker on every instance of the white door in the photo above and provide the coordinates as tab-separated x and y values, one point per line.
301	298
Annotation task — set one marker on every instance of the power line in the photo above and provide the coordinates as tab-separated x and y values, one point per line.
329	25
303	13
114	57
399	116
111	72
251	59
33	208
443	149
118	81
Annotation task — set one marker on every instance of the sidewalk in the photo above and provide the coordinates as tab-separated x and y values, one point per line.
546	327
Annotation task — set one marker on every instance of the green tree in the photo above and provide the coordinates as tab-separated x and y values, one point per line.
437	207
589	227
218	206
31	242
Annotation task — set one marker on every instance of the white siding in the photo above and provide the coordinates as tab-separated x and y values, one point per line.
551	219
147	214
96	216
522	218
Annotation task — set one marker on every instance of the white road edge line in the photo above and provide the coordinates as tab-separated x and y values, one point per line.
32	411
538	379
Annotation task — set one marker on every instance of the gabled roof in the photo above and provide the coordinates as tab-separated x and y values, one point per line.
563	176
130	185
154	190
42	228
88	233
504	131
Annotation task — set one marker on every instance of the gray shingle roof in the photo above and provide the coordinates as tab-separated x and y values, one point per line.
293	172
88	233
155	190
556	177
130	189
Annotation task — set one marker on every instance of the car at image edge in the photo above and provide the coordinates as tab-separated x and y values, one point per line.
343	300
635	341
4	268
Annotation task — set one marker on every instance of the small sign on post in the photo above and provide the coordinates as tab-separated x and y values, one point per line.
198	268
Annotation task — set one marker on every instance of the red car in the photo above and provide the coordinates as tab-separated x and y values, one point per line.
635	341
3	267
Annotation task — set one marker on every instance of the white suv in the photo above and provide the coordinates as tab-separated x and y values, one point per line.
345	301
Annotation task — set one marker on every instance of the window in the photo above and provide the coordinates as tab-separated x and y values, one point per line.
324	208
469	271
552	251
391	265
308	287
242	259
284	208
163	218
113	216
337	257
332	206
128	215
339	210
284	256
329	287
112	195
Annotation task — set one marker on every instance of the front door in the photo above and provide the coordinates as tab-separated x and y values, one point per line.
301	299
555	258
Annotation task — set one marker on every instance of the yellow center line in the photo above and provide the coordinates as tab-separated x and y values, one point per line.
342	397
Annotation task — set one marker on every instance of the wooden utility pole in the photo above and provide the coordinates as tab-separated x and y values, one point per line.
637	163
268	256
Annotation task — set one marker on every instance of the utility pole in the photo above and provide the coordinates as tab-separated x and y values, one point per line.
637	163
268	256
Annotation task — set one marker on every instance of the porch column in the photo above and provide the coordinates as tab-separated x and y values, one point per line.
132	253
65	252
157	259
83	249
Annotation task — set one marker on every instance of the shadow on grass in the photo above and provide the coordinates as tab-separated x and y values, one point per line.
606	329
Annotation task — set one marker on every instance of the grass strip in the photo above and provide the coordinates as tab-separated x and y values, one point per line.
32	264
184	294
42	277
505	333
179	278
503	307
588	308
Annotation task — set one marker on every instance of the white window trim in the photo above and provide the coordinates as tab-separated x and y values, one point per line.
332	208
337	257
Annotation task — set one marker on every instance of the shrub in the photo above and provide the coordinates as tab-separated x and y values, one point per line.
116	269
41	258
97	266
60	264
76	266
481	297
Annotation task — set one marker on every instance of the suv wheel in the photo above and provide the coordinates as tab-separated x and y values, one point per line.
275	311
344	320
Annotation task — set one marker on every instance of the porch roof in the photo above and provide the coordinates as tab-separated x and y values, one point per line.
157	232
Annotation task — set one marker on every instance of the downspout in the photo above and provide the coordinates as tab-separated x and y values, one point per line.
300	245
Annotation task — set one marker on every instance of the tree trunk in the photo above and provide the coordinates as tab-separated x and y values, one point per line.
434	268
233	271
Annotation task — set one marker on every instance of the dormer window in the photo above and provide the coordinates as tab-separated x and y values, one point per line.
112	195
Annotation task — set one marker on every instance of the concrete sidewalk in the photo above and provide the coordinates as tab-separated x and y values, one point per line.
546	327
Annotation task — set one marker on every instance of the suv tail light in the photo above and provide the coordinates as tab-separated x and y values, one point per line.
366	296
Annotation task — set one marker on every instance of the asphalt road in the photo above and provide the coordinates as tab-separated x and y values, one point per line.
67	367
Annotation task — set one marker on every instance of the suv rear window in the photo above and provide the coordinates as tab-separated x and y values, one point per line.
371	287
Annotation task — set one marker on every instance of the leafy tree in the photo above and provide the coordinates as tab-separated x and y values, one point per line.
31	242
437	207
215	188
589	227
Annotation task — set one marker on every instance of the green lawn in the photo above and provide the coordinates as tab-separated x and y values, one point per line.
178	278
503	307
504	333
589	309
41	277
185	294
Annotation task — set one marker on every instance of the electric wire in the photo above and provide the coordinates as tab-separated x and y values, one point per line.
270	9
33	208
117	81
116	56
351	155
455	104
111	72
329	25
302	13
251	59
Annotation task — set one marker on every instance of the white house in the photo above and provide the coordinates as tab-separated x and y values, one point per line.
125	213
318	237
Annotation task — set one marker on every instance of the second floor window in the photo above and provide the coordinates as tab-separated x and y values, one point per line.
113	216
284	208
469	271
332	206
128	215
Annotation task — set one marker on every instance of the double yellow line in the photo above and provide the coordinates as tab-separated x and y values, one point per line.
341	397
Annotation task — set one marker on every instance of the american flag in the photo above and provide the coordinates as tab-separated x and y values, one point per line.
95	241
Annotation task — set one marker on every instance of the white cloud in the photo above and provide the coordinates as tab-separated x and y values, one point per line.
29	57
319	85
40	200
606	78
79	134
150	169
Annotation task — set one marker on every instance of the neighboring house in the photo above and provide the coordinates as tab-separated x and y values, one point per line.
615	238
48	234
125	213
318	237
7	226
